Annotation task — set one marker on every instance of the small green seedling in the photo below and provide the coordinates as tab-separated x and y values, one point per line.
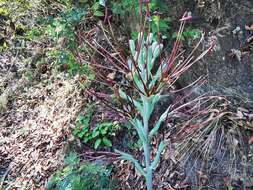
99	136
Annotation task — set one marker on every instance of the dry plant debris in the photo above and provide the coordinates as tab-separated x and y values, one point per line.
172	173
34	128
246	47
249	28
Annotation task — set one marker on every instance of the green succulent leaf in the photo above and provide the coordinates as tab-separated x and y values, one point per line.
161	147
149	104
132	47
157	50
130	158
104	131
150	38
138	106
138	81
140	130
159	122
157	76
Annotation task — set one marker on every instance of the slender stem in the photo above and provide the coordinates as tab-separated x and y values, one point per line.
146	148
149	179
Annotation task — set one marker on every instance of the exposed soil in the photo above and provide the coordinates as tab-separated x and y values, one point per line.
231	64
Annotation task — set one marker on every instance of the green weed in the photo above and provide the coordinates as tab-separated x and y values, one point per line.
76	176
99	136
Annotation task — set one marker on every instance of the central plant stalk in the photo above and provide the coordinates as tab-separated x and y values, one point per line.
146	148
144	56
149	79
147	73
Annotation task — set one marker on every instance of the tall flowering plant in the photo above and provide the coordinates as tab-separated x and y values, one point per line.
147	73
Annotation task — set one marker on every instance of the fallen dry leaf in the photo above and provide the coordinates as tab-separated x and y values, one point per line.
250	28
202	177
111	76
250	141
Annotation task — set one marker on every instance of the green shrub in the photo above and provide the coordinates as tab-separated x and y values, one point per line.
76	176
59	32
158	24
103	132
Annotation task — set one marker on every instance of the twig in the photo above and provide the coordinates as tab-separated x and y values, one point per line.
4	176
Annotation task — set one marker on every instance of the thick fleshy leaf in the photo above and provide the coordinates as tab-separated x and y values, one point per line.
130	158
149	38
157	50
149	104
161	147
140	38
132	47
140	130
95	133
159	122
130	64
156	78
138	82
150	63
138	106
154	44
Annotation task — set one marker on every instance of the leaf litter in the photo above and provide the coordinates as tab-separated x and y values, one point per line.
35	126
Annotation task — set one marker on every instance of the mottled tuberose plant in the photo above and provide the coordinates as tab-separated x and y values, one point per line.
147	73
141	66
149	78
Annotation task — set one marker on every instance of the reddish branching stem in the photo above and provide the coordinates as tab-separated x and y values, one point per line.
147	9
140	8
